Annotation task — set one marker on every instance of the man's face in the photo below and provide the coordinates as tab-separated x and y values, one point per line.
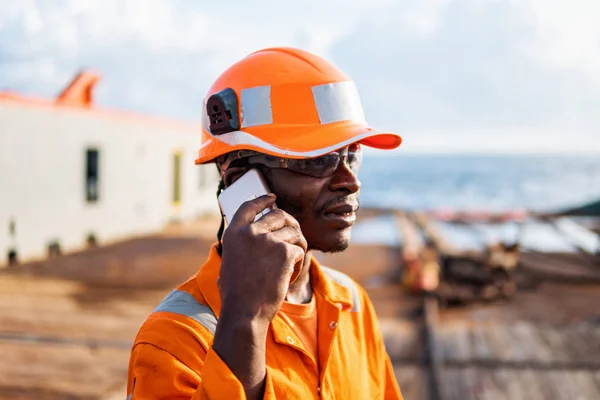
324	207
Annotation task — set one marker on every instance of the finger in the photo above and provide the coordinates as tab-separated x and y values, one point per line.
294	262
297	257
250	209
275	220
291	235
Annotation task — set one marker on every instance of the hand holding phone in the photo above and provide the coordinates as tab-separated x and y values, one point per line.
259	260
248	188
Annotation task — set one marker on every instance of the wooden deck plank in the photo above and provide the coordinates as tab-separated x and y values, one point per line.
480	341
403	340
413	382
60	371
507	383
458	345
596	376
489	389
584	381
557	341
501	342
450	385
533	348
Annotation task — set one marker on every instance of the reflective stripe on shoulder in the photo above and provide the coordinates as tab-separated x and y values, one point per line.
345	281
183	303
130	396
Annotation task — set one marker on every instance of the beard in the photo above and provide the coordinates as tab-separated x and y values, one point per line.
306	217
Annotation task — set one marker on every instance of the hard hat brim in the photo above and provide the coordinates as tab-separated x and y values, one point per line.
303	142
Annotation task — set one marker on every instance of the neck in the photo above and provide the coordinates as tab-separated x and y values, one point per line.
300	291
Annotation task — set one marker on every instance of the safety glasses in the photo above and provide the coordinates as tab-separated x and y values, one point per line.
319	167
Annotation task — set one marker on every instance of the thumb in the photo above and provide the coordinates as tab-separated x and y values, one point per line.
250	209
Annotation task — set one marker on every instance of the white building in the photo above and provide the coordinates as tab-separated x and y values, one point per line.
70	171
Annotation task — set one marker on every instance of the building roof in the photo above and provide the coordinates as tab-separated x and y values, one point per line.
77	96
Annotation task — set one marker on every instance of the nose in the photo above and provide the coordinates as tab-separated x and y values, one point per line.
344	179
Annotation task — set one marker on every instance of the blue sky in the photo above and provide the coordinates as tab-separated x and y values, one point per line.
450	75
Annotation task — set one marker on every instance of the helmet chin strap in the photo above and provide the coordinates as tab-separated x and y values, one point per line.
222	227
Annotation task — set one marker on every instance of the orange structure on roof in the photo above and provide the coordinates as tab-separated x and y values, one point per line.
79	91
77	96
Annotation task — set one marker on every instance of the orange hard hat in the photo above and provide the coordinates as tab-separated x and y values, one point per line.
288	103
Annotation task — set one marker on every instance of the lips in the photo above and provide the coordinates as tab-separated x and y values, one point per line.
341	215
345	208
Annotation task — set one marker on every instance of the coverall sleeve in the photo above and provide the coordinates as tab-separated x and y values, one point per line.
157	374
392	389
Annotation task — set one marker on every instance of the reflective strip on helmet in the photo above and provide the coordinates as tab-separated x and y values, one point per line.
338	101
256	106
183	303
334	102
241	138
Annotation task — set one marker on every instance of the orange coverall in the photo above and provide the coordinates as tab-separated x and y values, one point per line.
172	356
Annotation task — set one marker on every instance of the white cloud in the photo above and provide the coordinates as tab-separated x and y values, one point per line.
568	34
481	74
156	55
499	68
515	140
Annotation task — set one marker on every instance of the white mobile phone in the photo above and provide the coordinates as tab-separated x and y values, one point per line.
249	186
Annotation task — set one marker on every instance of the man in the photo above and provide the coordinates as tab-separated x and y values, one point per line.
239	328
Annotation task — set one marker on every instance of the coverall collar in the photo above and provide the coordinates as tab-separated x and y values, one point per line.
330	290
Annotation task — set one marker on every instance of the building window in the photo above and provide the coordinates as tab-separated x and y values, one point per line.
91	175
176	178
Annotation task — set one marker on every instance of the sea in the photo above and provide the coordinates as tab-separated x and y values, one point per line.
492	183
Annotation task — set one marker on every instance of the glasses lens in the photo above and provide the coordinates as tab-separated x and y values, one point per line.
320	166
355	160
